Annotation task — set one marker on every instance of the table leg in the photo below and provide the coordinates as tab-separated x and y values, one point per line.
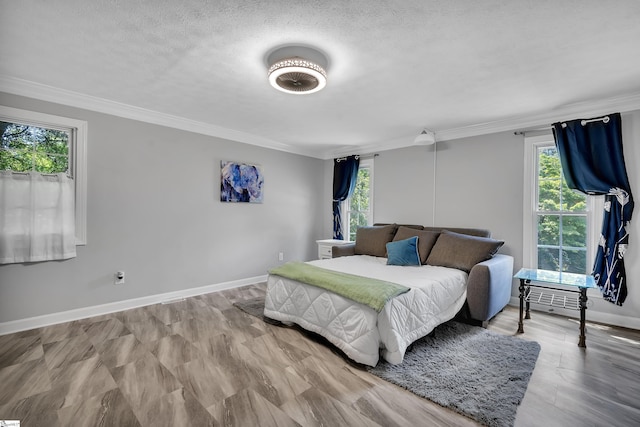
583	307
520	323
527	313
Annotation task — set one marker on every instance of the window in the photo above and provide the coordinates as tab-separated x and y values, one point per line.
27	148
358	209
560	224
48	144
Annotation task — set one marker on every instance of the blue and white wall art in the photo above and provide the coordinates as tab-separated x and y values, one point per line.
240	182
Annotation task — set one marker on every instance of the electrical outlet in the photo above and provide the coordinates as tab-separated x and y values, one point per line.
280	256
118	278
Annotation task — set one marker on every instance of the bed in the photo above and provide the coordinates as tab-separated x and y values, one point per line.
435	294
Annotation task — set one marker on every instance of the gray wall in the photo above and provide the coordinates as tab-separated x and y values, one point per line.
474	178
479	184
154	212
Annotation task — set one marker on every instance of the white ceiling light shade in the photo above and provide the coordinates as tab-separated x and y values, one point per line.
426	137
297	70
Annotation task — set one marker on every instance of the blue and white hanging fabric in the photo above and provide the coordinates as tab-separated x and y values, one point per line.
345	176
592	160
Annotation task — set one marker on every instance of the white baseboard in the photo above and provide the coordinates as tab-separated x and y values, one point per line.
97	310
591	315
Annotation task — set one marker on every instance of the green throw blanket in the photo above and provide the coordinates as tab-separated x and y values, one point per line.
372	292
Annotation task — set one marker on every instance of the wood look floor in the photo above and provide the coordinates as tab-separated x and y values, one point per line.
202	362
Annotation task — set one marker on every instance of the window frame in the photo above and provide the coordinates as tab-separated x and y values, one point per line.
593	213
77	155
346	205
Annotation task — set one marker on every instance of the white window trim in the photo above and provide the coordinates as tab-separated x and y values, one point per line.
78	129
367	163
595	206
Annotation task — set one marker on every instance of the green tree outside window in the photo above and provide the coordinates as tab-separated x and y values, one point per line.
359	203
27	148
562	219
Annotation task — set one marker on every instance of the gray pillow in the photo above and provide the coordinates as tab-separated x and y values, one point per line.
426	240
373	240
462	251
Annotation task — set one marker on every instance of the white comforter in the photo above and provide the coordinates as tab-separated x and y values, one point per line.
436	295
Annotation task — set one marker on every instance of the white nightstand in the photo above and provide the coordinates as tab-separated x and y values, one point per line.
324	247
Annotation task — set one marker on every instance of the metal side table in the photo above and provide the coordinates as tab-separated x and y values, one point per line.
544	291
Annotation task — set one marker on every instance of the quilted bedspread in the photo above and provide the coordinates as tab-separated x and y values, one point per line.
436	294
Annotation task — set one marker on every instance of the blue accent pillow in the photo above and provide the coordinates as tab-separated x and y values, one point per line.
403	252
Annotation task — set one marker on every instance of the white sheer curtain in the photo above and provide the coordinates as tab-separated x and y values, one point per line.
37	217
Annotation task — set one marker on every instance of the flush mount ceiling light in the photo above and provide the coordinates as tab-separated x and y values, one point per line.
298	70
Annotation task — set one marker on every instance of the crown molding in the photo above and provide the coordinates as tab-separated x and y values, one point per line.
624	103
401	142
586	109
620	104
75	99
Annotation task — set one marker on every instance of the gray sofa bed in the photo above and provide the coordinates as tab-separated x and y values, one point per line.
468	249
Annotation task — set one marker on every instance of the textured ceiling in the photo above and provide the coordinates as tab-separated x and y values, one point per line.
394	66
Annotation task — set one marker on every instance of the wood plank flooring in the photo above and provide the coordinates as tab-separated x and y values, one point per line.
203	362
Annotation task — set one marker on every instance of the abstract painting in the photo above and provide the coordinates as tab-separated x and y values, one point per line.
240	182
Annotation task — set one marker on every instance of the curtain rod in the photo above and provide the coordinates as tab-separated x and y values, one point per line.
360	156
524	131
43	174
604	119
